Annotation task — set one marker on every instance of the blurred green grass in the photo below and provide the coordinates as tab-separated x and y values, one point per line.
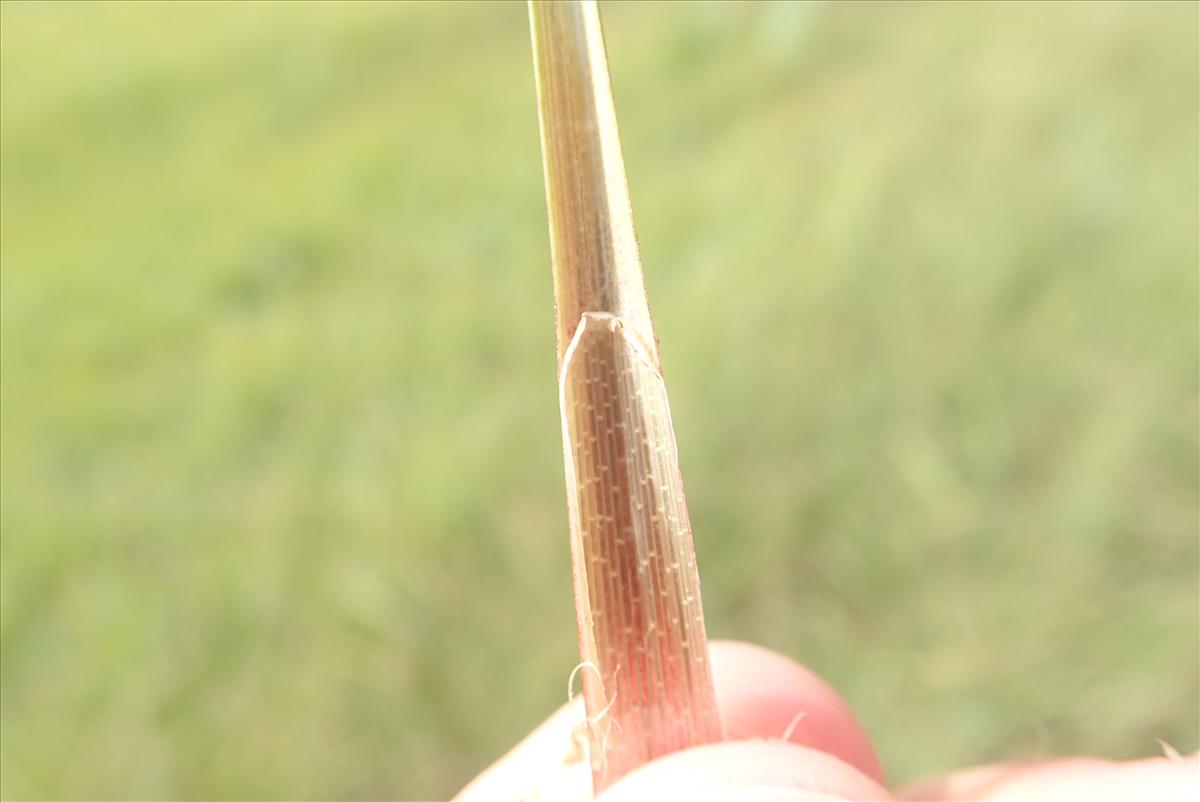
282	507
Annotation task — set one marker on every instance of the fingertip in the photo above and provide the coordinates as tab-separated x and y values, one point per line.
764	694
745	770
1071	778
549	764
766	701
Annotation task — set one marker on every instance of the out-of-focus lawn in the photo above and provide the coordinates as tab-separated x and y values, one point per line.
282	506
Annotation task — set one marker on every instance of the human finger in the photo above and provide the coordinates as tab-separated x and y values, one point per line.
1076	778
761	695
745	771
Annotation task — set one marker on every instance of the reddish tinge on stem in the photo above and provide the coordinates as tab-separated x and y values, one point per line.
647	684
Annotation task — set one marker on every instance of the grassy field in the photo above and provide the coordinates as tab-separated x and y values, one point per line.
282	506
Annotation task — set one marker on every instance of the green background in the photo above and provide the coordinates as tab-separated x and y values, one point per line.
282	503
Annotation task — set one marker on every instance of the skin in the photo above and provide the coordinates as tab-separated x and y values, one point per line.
762	696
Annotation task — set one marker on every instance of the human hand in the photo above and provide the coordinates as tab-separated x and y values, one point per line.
791	737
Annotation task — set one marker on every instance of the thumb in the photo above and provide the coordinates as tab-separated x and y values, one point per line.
753	771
